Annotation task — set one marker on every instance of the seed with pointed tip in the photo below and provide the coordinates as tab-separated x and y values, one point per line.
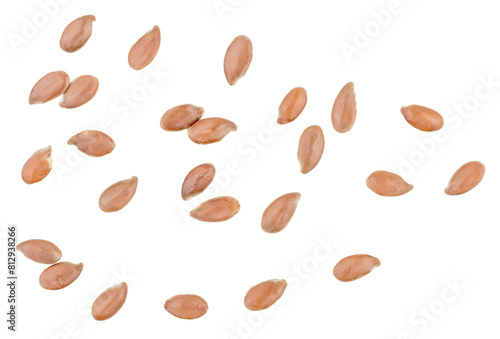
197	180
76	34
109	302
186	306
60	275
40	251
387	184
181	117
292	105
265	294
210	130
311	146
465	178
423	118
49	87
355	267
238	58
118	195
145	49
38	166
80	91
93	143
279	213
216	209
344	109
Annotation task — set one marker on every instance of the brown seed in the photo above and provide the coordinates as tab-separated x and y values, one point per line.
292	105
344	109
238	58
49	87
76	34
60	275
311	146
279	213
423	118
38	166
186	306
80	91
93	143
465	178
197	180
118	195
210	130
109	302
265	294
216	209
145	49
355	267
387	184
181	117
41	251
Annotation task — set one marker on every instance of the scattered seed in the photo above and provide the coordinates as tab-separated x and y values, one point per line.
76	34
423	118
465	178
238	58
265	294
181	117
292	105
387	184
38	166
279	213
118	195
145	49
216	209
49	87
109	302
40	251
344	109
80	91
210	130
355	267
92	143
197	180
60	275
186	306
311	146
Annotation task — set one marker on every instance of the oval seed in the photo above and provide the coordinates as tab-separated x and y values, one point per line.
197	180
109	302
216	209
76	34
38	166
465	178
181	117
387	184
344	109
265	294
279	213
49	87
186	306
423	118
355	267
292	105
311	146
145	49
60	275
238	58
80	91
93	143
210	130
40	251
118	195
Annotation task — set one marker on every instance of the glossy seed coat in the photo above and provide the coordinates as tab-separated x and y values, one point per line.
76	34
118	195
423	118
387	184
210	130
197	180
145	49
216	209
344	109
186	306
279	213
311	147
38	166
292	105
49	87
238	57
40	251
354	267
181	117
93	143
60	275
109	302
265	294
80	91
465	178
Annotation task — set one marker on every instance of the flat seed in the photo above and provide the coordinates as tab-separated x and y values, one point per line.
60	275
109	302
145	49
387	184
80	91
216	209
118	195
186	306
279	213
423	118
311	146
355	267
49	87
238	58
465	178
38	166
265	294
197	180
181	117
92	143
40	251
210	130
76	34
344	109
292	105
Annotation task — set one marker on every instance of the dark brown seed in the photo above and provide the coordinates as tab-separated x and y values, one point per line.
465	178
279	213
344	109
60	275
423	118
216	209
238	58
265	294
355	267
210	130
41	251
38	166
109	302
80	91
49	87
292	105
197	180
118	195
311	146
387	184
76	34
145	49
93	143
186	306
181	117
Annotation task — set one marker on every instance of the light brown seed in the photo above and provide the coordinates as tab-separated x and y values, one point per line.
145	49
292	105
311	146
38	166
387	184
118	195
197	180
93	143
60	275
238	58
181	117
49	87
355	267
465	178
279	213
186	306
76	34
210	130
109	302
80	91
344	109
265	294
41	251
216	209
423	118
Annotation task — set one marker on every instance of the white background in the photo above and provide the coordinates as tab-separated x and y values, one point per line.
431	53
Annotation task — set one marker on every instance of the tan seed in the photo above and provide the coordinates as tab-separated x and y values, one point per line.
80	91
465	178
423	118
38	166
197	180
181	117
355	267
238	58
186	306
109	302
118	195
93	143
49	87
76	34
216	209
265	294
311	146
60	275
344	109
292	105
41	251
387	184
279	213
145	49
210	130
